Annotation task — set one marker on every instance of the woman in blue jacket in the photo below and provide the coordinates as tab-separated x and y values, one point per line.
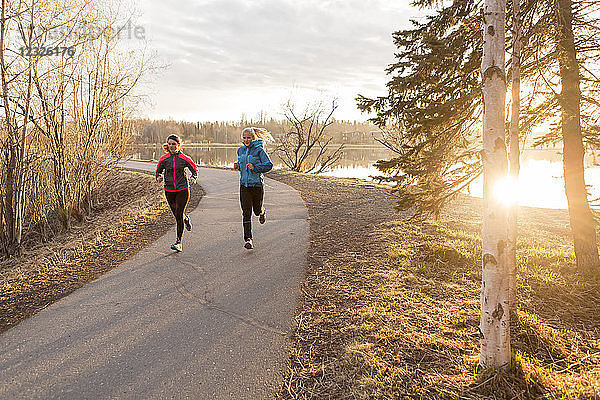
172	165
252	162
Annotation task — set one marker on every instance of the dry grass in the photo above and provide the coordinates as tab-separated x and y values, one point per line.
132	213
390	308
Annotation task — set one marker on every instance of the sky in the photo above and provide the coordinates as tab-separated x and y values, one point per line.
226	58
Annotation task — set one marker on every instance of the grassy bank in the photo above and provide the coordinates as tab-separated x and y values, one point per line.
131	213
390	308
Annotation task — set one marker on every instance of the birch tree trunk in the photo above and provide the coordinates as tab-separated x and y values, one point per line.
494	325
514	152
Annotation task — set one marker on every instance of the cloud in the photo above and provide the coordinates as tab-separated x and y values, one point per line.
235	45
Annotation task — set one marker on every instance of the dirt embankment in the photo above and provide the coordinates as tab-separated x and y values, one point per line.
131	214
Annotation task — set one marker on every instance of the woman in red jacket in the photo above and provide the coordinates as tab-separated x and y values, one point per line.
173	164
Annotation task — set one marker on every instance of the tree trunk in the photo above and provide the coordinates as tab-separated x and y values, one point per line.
514	153
10	202
495	311
582	223
7	217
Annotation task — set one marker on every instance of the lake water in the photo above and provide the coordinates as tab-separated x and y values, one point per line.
540	182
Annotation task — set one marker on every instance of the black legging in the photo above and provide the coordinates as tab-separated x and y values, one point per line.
251	198
178	201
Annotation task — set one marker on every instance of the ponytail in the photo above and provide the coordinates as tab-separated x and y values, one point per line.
260	134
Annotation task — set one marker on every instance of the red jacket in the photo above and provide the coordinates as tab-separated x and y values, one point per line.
174	167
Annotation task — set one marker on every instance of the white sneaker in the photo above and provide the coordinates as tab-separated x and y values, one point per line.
177	247
248	244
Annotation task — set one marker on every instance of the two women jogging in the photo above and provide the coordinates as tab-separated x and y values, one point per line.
252	162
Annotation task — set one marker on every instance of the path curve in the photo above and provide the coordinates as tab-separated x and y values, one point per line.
211	322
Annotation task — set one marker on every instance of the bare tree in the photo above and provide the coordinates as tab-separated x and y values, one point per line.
304	148
103	81
64	114
15	98
495	304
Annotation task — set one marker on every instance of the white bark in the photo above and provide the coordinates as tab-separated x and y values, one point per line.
494	325
514	153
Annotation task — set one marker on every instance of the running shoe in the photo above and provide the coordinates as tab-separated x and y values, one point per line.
263	216
177	247
187	222
248	244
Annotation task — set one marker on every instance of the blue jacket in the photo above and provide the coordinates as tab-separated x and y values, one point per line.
256	155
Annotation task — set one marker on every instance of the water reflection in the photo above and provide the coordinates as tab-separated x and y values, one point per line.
353	160
540	184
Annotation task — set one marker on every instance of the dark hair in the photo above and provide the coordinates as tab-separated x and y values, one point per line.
175	138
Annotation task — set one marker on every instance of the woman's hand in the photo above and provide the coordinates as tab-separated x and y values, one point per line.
250	166
236	165
159	179
192	181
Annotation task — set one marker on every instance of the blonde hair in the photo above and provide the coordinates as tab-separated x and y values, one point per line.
259	133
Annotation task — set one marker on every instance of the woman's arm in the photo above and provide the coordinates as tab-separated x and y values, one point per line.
160	167
191	165
265	164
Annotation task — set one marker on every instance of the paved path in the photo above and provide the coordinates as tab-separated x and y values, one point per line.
212	322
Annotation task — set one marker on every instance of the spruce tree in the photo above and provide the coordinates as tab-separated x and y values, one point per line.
433	106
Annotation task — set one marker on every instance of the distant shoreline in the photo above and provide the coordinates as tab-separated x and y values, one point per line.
234	145
346	146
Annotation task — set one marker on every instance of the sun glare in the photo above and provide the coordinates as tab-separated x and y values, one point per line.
507	191
540	184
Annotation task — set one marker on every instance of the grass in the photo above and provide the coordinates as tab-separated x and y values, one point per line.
398	317
554	330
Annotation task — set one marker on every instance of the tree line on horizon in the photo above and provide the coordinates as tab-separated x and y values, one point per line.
155	131
308	140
